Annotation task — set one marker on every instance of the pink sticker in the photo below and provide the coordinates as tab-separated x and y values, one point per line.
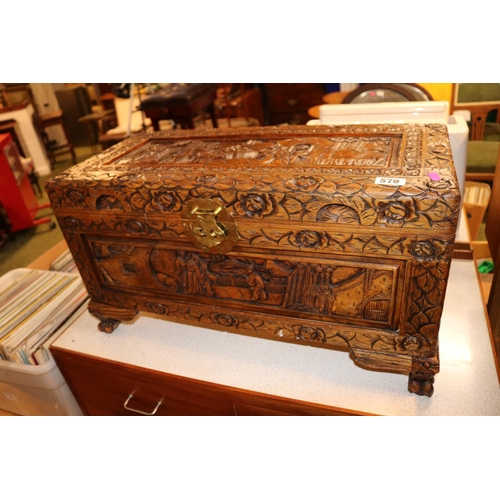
434	176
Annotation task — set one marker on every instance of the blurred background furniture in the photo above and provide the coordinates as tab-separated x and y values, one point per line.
330	98
387	92
54	148
47	116
289	102
368	93
5	225
476	199
16	192
126	114
94	121
493	236
75	102
479	103
17	120
181	102
239	104
12	127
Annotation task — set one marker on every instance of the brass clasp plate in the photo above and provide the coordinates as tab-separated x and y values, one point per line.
209	226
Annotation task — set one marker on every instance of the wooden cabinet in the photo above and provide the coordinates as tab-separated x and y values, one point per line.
289	102
235	101
104	387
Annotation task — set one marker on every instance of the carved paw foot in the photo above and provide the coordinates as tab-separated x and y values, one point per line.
108	325
422	375
421	387
110	316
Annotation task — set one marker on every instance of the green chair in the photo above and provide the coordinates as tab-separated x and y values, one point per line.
482	101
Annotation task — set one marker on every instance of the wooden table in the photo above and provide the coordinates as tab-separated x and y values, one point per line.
181	103
88	120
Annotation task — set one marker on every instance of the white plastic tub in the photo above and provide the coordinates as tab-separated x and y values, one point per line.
33	390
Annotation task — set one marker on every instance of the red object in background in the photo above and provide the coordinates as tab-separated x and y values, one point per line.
16	193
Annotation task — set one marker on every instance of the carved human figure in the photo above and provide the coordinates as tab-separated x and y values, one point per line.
258	286
207	277
194	276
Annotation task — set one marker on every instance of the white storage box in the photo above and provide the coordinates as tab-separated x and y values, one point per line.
34	390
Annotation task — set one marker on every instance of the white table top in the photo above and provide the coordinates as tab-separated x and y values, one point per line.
466	385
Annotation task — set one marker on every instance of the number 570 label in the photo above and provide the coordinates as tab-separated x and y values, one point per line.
390	181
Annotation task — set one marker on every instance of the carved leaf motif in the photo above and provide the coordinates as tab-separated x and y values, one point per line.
358	203
278	197
263	186
426	282
374	245
156	224
153	183
439	271
137	201
292	206
275	236
413	309
223	184
420	320
437	212
228	196
329	186
281	213
411	190
108	202
379	191
335	245
439	162
368	217
349	189
424	222
129	180
342	200
339	214
434	315
245	184
398	247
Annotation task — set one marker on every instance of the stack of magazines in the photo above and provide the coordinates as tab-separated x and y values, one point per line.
64	263
32	310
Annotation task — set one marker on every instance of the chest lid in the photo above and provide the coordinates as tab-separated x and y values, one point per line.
383	176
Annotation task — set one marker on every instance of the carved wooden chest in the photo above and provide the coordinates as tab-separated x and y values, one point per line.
337	237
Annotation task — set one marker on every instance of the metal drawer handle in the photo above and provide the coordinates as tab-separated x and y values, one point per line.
130	396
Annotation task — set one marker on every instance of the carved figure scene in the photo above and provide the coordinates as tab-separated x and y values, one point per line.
322	289
348	151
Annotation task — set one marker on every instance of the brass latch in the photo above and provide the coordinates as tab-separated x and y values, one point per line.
209	226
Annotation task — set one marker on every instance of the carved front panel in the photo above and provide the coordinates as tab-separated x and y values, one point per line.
337	289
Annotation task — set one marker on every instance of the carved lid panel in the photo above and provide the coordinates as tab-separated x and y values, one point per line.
369	175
